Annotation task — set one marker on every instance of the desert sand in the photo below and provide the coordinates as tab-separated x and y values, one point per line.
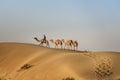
21	61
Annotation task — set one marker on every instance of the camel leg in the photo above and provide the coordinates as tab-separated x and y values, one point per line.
76	48
55	46
61	46
48	45
64	46
41	44
67	47
70	47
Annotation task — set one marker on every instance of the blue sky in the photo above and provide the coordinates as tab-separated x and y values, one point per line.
94	24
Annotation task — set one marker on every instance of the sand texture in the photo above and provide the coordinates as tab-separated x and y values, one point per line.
20	61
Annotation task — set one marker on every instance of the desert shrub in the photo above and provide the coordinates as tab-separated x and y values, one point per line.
103	70
68	78
26	66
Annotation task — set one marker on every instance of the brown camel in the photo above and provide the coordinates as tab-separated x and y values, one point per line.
56	42
67	43
75	45
42	41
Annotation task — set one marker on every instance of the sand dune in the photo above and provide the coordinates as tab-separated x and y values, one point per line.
55	64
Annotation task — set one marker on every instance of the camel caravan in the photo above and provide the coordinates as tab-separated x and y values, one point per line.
68	44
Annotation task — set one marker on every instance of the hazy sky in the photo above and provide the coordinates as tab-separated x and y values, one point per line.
95	24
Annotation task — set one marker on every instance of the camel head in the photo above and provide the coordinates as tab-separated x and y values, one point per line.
36	39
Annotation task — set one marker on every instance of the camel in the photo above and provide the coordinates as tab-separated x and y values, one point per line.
42	41
56	42
67	43
75	45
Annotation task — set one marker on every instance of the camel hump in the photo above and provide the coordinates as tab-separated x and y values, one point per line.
75	41
57	40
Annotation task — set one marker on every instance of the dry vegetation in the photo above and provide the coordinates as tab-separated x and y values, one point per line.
68	78
25	66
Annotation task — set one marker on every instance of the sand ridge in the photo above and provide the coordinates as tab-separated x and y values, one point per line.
56	64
